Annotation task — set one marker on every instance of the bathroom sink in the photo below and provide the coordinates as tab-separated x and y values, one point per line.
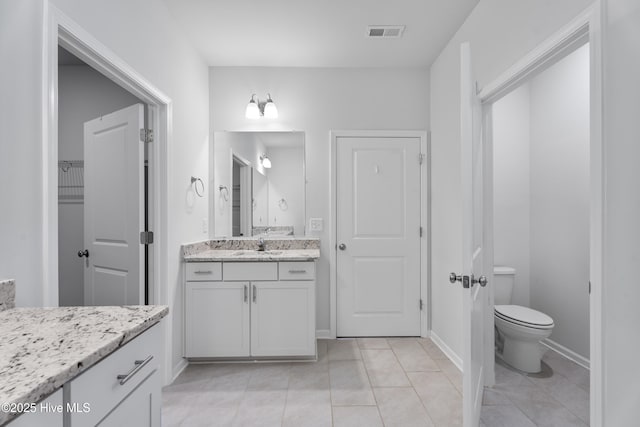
253	252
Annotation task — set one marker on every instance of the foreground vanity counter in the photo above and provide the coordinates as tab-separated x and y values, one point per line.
243	303
80	366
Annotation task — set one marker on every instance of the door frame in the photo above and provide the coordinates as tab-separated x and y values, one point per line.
61	30
425	313
586	27
246	220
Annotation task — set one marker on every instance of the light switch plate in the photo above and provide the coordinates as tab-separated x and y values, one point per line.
316	224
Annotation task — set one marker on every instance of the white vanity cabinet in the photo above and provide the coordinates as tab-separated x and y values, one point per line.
122	389
253	309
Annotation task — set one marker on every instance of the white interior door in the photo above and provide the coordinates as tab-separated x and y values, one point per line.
475	294
114	208
378	236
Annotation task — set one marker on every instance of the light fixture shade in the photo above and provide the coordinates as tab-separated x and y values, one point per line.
252	111
270	110
266	163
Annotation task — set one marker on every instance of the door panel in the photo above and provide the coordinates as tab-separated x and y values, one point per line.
283	318
218	319
114	208
378	222
475	298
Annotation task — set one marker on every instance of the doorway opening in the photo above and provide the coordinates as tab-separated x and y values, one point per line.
540	139
86	95
241	197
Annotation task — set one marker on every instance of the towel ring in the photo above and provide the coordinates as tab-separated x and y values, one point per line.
198	188
224	192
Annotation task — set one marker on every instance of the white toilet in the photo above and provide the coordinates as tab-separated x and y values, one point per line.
520	329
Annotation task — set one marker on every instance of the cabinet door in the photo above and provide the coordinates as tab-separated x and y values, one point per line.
141	408
217	319
42	417
283	318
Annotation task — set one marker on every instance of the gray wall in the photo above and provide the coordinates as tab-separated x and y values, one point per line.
560	199
511	188
83	95
541	198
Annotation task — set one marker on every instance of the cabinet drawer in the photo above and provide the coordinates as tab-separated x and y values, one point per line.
297	270
203	271
250	271
99	385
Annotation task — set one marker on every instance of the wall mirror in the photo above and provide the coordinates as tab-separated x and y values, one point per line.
258	184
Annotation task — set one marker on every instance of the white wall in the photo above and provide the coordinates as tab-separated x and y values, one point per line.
22	248
501	32
541	199
511	193
83	94
317	101
286	183
620	293
560	197
146	38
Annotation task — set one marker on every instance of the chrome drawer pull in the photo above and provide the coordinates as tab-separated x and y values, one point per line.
246	293
255	294
139	364
297	271
203	272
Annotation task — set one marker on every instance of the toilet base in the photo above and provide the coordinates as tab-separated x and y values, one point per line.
523	355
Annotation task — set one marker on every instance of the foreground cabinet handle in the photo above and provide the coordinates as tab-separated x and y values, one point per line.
139	364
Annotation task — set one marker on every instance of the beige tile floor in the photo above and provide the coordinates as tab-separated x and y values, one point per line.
356	382
372	382
557	397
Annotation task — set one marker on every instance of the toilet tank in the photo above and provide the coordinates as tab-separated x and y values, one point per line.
503	280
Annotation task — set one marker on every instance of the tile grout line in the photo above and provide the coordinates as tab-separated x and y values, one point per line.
370	386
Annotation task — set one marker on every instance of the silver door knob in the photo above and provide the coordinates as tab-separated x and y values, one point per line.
342	246
453	278
482	280
84	253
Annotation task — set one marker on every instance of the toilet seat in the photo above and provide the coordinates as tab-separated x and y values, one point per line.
523	316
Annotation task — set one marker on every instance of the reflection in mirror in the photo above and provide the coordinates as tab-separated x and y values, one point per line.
260	199
264	201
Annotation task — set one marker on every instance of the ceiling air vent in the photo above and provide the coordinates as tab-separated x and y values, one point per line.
385	31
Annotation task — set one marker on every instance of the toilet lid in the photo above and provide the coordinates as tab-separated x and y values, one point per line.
523	316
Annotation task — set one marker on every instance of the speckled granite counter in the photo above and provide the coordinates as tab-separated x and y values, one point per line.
244	249
252	255
43	348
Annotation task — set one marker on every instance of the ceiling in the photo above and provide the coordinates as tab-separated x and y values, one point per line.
318	33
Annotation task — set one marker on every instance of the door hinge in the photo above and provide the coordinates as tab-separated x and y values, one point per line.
146	237
421	304
421	158
146	135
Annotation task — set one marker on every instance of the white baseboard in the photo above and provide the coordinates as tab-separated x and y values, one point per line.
455	359
565	352
323	334
178	368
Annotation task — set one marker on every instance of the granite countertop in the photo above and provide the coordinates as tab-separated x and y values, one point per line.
43	348
244	249
253	255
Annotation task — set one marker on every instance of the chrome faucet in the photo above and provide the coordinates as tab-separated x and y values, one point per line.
261	244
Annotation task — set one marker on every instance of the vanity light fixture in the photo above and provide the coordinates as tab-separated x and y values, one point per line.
256	108
266	163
